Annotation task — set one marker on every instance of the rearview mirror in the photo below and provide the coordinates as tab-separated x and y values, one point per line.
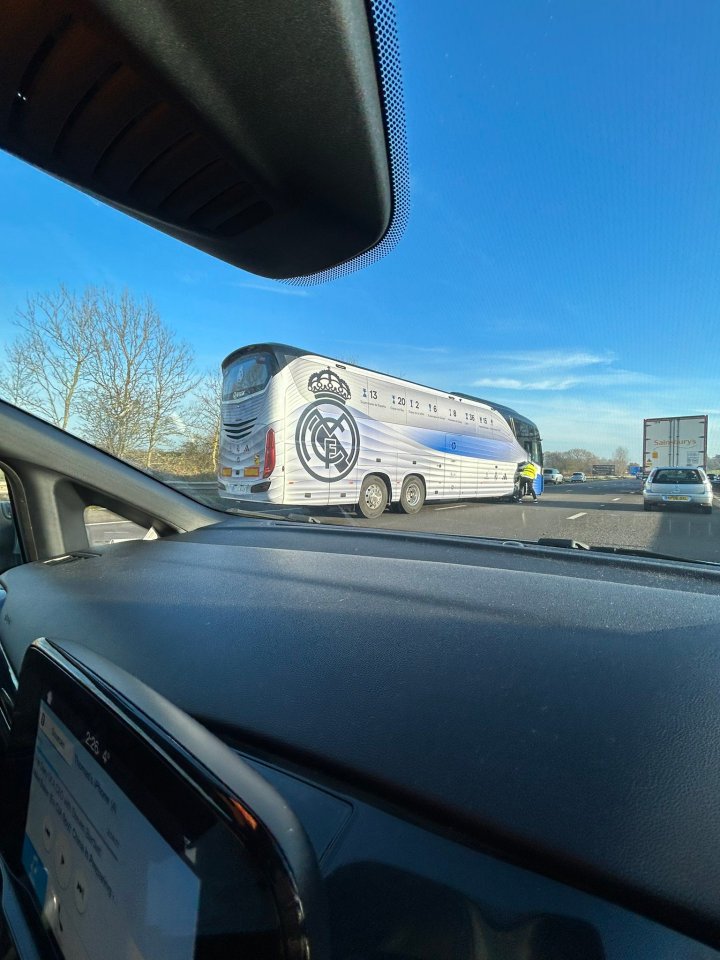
266	134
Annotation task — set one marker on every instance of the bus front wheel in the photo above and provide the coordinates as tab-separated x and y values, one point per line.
412	495
373	497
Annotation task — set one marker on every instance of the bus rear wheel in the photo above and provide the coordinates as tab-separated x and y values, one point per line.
373	497
412	495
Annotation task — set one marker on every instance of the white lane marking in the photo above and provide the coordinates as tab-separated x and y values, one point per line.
105	523
453	506
615	499
575	516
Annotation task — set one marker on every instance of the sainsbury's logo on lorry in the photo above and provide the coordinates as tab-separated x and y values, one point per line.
687	442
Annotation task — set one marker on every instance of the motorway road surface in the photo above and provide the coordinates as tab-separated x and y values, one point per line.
599	512
104	527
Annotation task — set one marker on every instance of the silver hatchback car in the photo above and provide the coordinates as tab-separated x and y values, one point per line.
678	486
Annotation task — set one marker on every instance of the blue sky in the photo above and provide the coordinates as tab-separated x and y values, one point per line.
563	249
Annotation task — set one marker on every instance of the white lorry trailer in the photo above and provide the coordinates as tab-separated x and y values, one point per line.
675	442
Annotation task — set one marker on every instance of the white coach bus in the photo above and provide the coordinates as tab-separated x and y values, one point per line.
298	428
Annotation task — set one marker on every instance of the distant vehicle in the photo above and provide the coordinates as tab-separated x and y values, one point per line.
714	479
551	475
675	442
678	486
578	477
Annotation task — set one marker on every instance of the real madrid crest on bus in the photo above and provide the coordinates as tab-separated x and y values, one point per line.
327	437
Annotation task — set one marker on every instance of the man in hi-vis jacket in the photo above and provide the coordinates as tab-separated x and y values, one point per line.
528	472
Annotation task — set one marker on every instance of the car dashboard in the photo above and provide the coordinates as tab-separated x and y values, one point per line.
496	750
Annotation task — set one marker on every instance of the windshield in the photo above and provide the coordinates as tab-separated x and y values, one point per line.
549	314
245	376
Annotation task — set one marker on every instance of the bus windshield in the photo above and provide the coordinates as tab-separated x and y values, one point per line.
245	376
529	437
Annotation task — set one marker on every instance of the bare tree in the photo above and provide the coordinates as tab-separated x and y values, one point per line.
171	378
113	407
203	420
107	362
47	361
620	459
138	375
17	383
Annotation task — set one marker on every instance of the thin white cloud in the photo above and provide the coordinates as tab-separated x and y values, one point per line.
550	359
508	383
193	276
285	290
522	370
419	349
607	379
499	383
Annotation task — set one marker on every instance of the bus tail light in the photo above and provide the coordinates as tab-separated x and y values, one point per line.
269	464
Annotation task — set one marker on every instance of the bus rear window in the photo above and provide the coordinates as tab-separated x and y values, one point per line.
246	375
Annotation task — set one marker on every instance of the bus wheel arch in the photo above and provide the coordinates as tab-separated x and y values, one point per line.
375	492
412	495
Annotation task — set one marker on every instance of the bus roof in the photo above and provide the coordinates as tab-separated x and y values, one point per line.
274	348
283	353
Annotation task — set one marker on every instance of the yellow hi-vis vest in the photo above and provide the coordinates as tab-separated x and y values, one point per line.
529	470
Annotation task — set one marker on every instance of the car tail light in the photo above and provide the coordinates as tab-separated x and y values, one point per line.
269	464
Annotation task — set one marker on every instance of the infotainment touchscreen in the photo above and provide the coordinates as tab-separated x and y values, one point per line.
108	884
131	832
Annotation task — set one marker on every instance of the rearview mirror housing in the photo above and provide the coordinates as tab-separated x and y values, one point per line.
266	134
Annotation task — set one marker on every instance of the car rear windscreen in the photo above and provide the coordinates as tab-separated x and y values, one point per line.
677	476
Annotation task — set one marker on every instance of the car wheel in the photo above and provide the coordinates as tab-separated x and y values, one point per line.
373	497
706	509
412	495
647	506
